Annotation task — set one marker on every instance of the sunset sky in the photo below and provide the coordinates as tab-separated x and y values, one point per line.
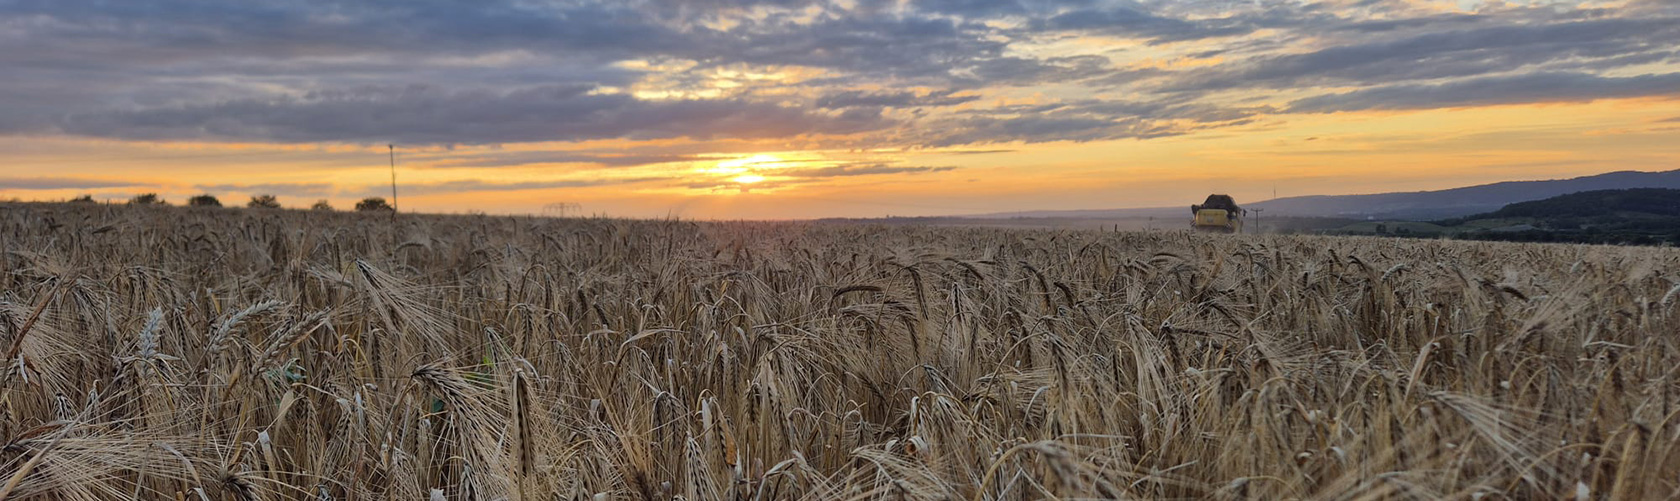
818	108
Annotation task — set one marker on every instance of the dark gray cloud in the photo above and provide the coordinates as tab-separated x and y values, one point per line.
443	72
61	183
879	47
1444	54
159	31
520	158
1034	129
1378	26
277	189
976	152
1532	88
422	115
1135	22
481	185
199	69
1084	120
853	170
1020	71
165	32
902	99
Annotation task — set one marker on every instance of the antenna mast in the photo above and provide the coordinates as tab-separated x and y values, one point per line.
393	149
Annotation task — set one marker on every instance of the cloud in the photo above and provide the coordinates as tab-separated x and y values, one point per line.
516	71
61	183
169	30
1479	50
1033	129
877	47
1019	71
1132	22
1083	120
278	189
984	8
1489	91
474	185
852	170
521	158
904	99
422	115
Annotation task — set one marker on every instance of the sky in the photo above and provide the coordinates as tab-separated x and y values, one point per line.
776	109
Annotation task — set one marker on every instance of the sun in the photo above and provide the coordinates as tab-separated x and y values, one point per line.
748	179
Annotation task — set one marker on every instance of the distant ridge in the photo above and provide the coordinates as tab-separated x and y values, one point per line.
1461	201
1416	205
1612	205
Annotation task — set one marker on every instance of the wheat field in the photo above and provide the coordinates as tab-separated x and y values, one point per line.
216	354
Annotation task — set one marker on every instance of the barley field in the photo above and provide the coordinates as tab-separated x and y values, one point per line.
215	354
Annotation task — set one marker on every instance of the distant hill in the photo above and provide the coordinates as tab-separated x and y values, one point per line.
1593	205
1645	216
1416	206
1636	216
1456	202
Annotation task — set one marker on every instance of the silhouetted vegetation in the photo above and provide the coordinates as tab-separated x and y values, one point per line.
1643	216
205	200
84	199
374	204
263	202
321	205
146	199
1606	205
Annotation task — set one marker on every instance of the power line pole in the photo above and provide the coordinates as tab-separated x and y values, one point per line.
393	149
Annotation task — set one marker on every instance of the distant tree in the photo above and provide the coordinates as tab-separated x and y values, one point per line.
146	199
205	200
373	204
321	205
84	199
263	202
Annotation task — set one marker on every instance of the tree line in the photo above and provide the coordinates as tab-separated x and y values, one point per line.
369	204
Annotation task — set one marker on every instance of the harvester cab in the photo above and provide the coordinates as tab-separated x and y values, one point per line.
1218	214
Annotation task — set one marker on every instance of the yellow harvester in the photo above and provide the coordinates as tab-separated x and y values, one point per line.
1218	214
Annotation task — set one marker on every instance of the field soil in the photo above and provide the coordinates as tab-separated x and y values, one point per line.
270	354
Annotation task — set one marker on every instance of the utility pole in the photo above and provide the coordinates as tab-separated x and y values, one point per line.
1258	228
393	149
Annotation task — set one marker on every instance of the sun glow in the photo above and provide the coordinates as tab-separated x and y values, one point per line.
743	170
740	164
